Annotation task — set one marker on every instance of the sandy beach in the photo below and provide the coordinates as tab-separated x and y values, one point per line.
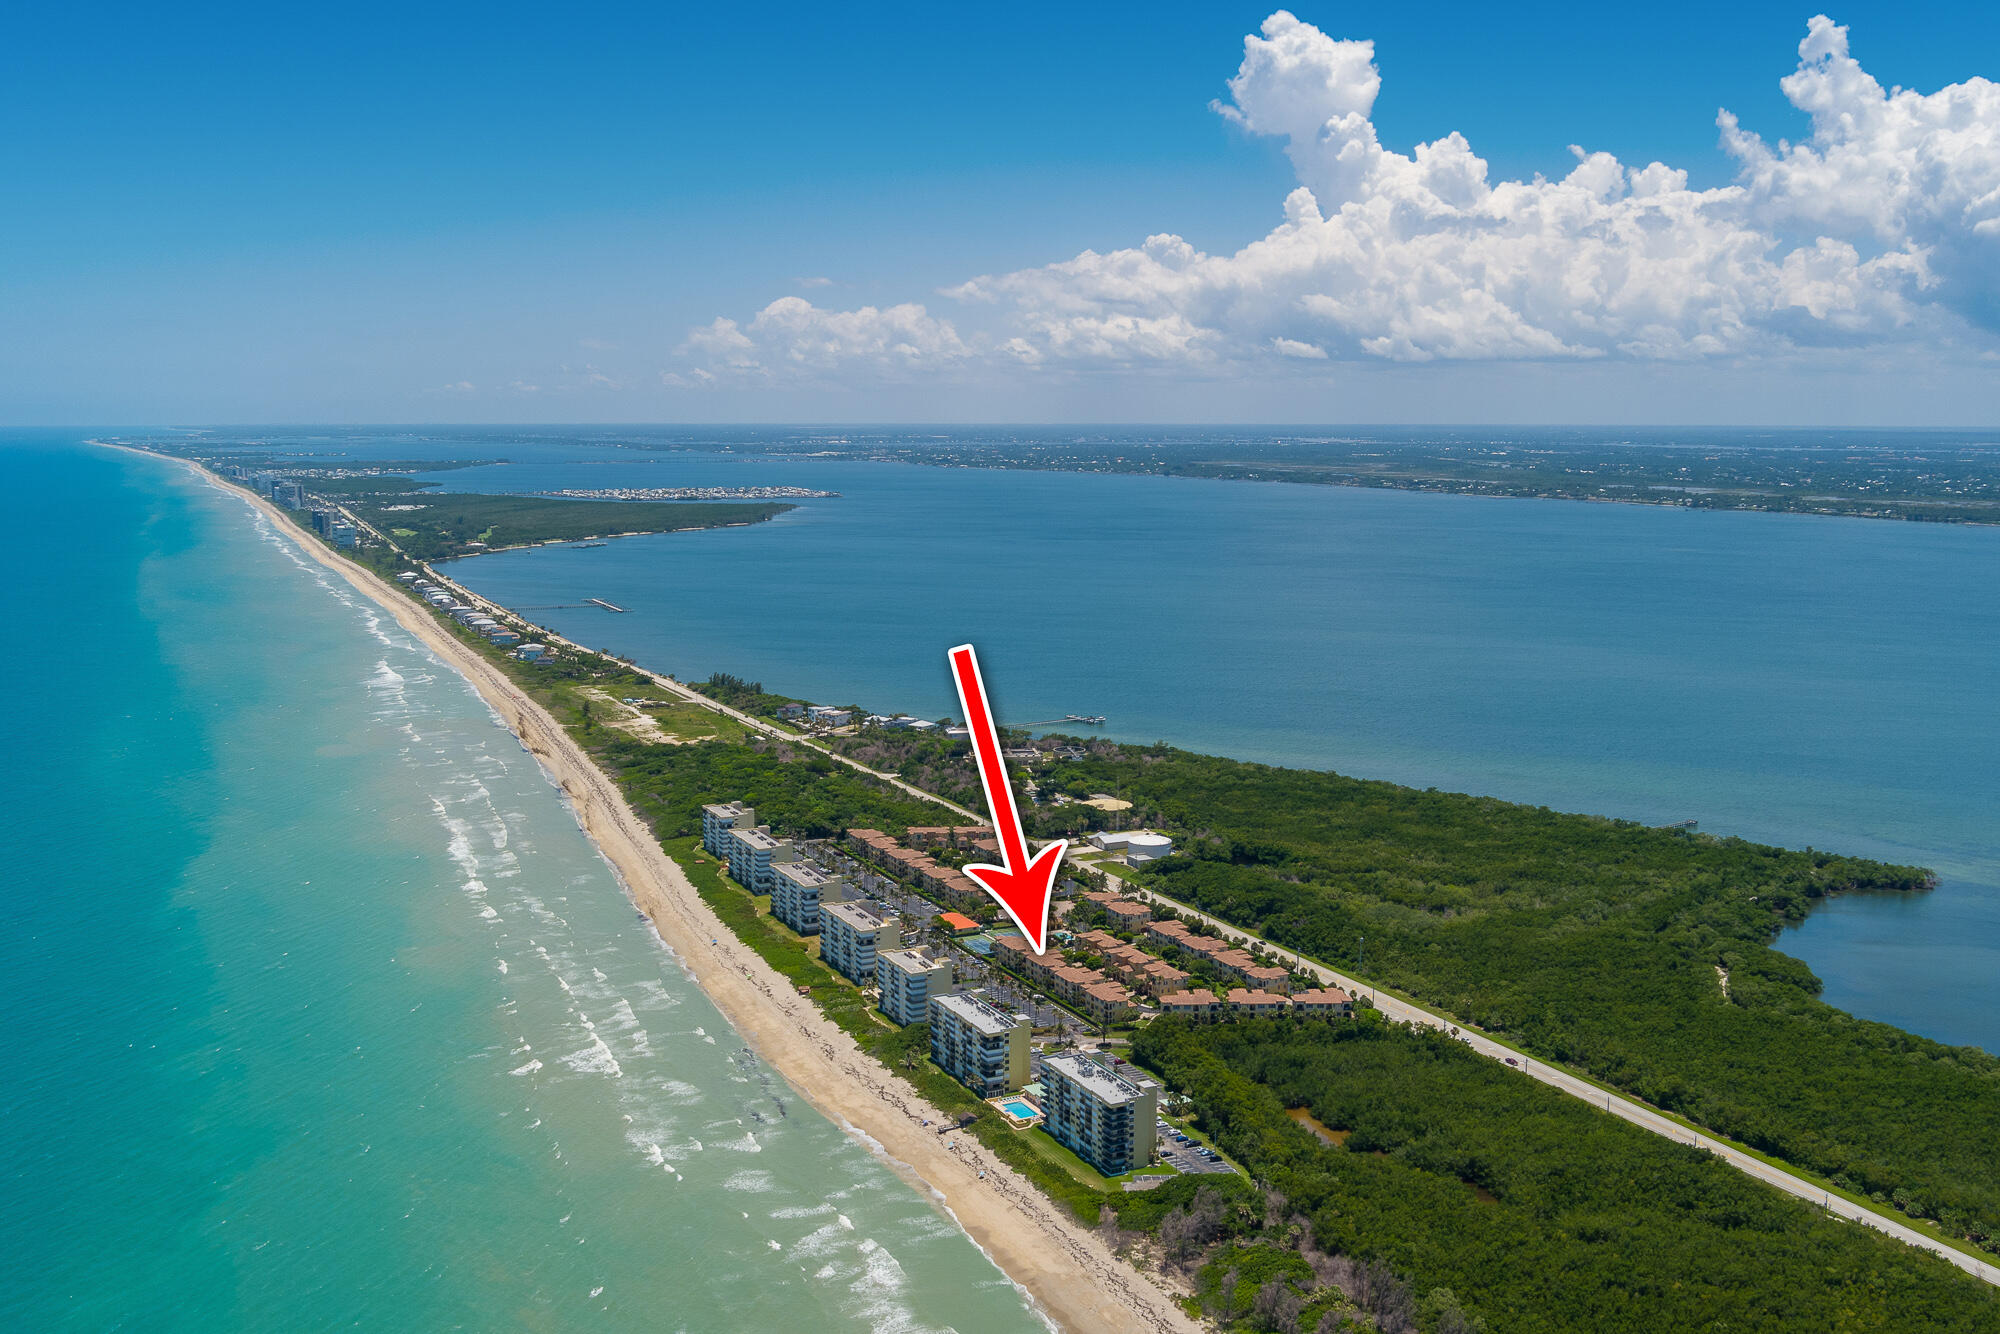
1072	1276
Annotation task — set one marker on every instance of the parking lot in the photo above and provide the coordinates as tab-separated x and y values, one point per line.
1191	1157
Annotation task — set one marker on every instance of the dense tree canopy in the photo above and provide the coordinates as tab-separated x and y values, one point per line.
1541	1215
1640	955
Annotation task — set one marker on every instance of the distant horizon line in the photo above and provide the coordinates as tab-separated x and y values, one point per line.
987	425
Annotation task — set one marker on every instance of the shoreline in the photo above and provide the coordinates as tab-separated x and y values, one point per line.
1071	1279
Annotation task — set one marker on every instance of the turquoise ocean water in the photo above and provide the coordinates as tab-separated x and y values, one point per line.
322	1013
1794	679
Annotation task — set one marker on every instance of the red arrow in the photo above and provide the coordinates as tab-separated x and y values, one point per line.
1022	886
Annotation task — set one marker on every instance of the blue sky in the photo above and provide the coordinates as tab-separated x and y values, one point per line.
498	213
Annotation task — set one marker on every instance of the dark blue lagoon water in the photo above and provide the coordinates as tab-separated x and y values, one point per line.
321	1012
1801	680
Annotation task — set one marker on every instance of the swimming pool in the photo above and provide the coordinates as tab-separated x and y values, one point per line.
1020	1109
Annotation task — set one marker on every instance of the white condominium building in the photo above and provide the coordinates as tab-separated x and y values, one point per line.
752	855
981	1045
797	892
1104	1117
718	820
909	978
848	938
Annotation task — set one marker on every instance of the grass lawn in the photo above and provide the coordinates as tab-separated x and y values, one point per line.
692	722
1045	1146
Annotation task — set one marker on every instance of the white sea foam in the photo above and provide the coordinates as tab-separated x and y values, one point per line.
752	1182
818	1244
880	1288
596	1059
527	1069
801	1211
653	995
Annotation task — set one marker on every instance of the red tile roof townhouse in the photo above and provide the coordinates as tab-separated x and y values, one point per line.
1200	1006
1256	1002
1331	1001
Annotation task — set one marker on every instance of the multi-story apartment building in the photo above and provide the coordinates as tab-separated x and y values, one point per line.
981	1045
1128	916
1264	977
797	892
1256	1004
753	854
1329	1001
1106	1002
1105	1117
716	822
1201	1005
908	979
849	936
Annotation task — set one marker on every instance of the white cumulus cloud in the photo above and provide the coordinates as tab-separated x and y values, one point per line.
1882	225
792	335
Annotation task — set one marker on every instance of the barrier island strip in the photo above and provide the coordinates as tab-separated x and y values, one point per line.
1397	1181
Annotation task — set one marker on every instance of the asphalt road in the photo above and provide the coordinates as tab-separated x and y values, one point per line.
1638	1113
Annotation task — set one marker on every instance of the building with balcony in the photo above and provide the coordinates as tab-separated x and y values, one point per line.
981	1045
797	891
850	935
1254	1004
1199	1006
908	979
1128	916
1104	1116
753	855
1327	1002
716	822
1106	1002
